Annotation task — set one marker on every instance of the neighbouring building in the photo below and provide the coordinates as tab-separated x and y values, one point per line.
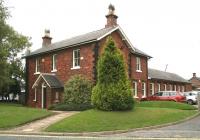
195	82
48	68
162	81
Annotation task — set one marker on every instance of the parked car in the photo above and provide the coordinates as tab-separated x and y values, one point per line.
168	96
191	97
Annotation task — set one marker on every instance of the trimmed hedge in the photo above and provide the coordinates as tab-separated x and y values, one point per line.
70	107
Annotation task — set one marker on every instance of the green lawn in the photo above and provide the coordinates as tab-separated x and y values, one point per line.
94	120
12	115
166	104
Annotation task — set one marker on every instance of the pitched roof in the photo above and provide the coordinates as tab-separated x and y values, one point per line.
162	75
84	39
51	80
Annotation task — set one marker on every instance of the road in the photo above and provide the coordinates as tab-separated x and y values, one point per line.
188	129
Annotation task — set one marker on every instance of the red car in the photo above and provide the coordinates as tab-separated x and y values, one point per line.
168	96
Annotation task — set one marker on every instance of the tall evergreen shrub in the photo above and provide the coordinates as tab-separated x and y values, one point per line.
112	91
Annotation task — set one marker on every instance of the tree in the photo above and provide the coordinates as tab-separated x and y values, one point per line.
112	91
11	43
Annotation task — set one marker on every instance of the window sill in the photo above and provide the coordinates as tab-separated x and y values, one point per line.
54	70
34	100
135	97
138	71
74	68
36	73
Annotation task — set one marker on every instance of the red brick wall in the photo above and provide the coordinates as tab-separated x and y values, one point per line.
195	82
130	60
64	65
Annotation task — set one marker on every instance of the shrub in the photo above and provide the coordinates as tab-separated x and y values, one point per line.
71	107
112	91
78	91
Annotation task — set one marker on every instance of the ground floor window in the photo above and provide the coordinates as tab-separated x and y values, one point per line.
35	95
143	89
135	89
151	88
165	87
158	87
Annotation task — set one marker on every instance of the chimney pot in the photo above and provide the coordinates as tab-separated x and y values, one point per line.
194	74
111	17
46	38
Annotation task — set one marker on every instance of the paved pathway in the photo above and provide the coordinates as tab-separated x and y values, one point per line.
39	125
188	129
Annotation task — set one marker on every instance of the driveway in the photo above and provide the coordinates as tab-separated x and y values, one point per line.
188	129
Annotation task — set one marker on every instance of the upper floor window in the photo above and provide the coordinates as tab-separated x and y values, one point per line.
151	88
76	58
134	88
138	64
37	65
54	61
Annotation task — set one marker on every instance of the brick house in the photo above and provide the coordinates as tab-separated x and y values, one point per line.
162	81
195	82
49	67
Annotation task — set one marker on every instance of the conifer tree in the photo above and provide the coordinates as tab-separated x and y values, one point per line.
112	91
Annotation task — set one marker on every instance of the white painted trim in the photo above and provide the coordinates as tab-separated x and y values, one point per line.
54	70
35	95
117	27
35	84
145	92
43	95
53	63
74	68
159	87
138	71
36	73
136	89
152	88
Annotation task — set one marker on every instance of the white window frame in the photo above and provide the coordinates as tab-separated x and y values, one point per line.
170	87
54	63
57	96
135	90
37	62
35	95
158	87
138	64
152	88
179	88
75	59
143	89
165	87
183	88
174	87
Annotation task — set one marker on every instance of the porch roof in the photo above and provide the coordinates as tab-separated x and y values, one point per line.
51	80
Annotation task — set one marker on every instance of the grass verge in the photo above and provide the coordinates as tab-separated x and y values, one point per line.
166	104
12	115
95	120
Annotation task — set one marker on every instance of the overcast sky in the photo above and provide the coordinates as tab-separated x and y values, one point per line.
168	30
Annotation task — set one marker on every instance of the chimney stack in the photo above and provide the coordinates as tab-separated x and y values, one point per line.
46	38
194	74
111	17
